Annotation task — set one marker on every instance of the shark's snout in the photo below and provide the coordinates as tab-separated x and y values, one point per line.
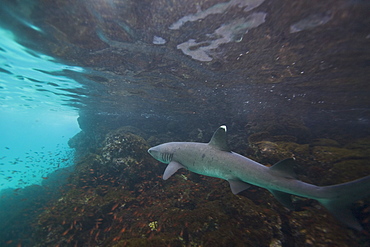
161	153
153	152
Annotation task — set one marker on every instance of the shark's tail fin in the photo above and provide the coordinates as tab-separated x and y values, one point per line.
338	199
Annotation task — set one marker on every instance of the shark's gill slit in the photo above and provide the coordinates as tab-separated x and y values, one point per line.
167	157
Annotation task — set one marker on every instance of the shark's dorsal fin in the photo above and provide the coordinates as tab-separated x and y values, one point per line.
284	168
219	139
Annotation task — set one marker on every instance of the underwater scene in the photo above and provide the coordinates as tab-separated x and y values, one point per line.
184	123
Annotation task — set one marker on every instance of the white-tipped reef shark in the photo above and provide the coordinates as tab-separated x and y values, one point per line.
215	159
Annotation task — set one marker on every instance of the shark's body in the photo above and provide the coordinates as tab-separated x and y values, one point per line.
215	159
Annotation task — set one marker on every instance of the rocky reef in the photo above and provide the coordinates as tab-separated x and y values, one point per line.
116	197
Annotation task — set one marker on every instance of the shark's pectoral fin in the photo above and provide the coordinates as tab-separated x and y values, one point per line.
283	198
172	167
238	186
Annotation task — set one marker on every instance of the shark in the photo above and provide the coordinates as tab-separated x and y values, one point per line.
215	159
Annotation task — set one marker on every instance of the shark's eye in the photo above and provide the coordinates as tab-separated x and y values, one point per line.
166	157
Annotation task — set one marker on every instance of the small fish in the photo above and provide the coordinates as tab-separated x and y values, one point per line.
115	206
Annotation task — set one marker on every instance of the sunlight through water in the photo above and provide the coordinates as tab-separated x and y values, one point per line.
37	114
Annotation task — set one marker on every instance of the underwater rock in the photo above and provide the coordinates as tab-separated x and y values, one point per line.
313	228
266	136
344	163
272	152
123	157
104	208
331	155
324	142
290	128
322	162
85	143
362	143
117	198
122	143
348	170
259	136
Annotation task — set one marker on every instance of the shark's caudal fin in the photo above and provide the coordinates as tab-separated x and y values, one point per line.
335	198
339	198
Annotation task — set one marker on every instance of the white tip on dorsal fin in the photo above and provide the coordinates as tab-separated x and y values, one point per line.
219	139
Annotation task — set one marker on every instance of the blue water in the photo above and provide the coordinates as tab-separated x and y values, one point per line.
37	117
288	80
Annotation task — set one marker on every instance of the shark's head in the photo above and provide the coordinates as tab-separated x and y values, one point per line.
162	153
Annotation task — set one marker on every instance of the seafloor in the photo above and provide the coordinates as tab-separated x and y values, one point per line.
116	196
